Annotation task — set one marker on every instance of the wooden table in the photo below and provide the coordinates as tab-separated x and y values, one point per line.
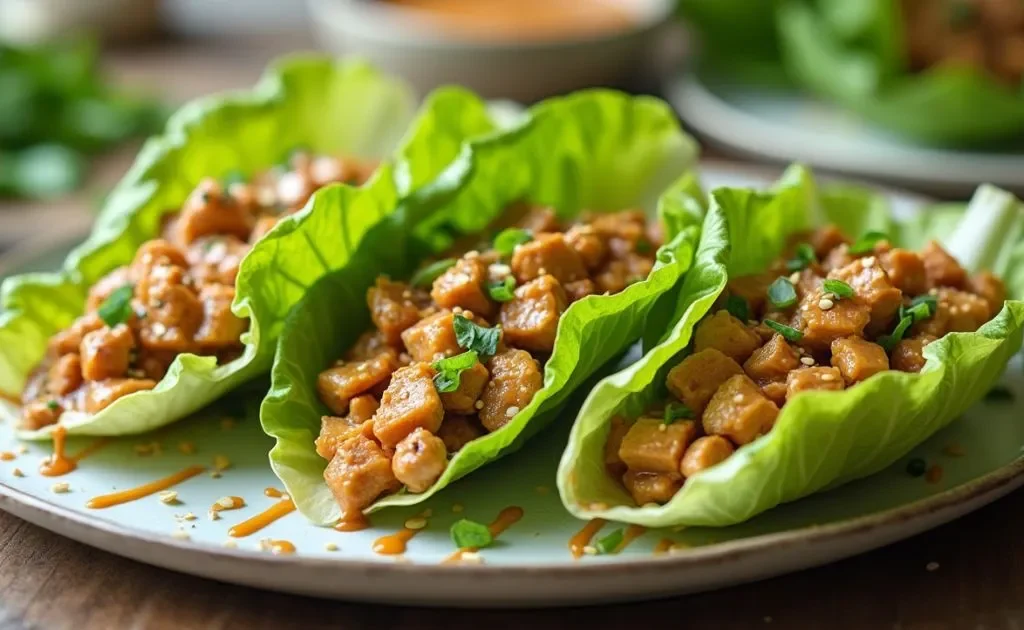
50	582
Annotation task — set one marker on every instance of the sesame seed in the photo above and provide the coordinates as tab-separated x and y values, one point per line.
868	262
457	508
61	487
330	547
542	271
479	404
472	557
932	566
511	411
590	550
230	544
180	534
933	291
17	472
472	254
168	497
807	361
738	398
662	427
214	515
190	517
226	502
794	277
416	523
159	330
467	314
953	310
457	310
215	474
825	304
829	377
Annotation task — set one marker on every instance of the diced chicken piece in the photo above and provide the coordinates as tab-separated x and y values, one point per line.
739	411
99	292
547	254
457	431
65	375
872	287
362	408
464	285
217	259
336	431
651	445
392	309
471	386
106	353
772	361
70	339
775	391
858	358
726	334
370	344
220	328
989	288
338	385
588	244
622	271
155	363
209	211
409	402
579	289
419	460
358	474
515	378
156	252
906	271
616	432
956	311
908	355
695	380
173	311
530	321
820	327
622	230
36	415
647	487
538	220
942	269
102	393
753	289
827	238
705	452
433	338
804	379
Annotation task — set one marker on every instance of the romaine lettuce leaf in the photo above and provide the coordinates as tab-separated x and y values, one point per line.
738	38
821	439
851	52
595	150
338	107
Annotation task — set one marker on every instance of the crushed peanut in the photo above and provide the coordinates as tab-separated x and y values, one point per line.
416	523
330	547
61	487
168	497
17	472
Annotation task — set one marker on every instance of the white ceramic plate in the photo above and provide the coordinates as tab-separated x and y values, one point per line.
787	127
530	565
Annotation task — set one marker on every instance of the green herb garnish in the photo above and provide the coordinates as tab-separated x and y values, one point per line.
503	290
803	257
889	341
1000	393
917	467
782	293
506	241
930	301
52	405
839	288
738	308
467	534
677	411
867	242
449	371
610	543
479	339
117	308
426	276
788	333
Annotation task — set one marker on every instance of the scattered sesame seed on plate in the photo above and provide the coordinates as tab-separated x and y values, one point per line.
61	487
330	547
168	497
416	523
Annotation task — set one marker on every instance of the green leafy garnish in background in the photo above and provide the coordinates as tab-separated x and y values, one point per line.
821	439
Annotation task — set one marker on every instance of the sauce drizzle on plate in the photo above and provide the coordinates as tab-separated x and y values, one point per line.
280	509
133	494
583	537
60	463
353	523
395	544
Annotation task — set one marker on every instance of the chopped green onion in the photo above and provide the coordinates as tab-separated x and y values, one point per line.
782	293
479	339
426	276
787	332
117	308
889	341
467	534
610	543
803	257
867	243
917	467
930	300
1000	393
839	288
503	290
918	313
52	405
677	411
508	239
449	371
738	308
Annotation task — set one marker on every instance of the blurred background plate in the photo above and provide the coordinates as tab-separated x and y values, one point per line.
785	127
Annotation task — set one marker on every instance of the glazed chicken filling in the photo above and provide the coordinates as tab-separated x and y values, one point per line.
459	350
176	294
983	34
826	316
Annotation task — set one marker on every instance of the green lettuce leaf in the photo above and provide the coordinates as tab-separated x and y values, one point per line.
851	52
738	38
821	439
339	107
595	150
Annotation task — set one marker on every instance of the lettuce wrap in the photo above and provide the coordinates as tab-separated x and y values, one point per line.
738	38
595	150
323	105
821	439
853	53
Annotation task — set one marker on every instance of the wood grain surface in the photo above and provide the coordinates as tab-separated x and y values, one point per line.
50	582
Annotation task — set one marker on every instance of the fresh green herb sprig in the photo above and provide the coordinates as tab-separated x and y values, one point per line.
467	534
449	371
479	339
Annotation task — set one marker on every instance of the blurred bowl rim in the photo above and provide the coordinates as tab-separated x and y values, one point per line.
393	25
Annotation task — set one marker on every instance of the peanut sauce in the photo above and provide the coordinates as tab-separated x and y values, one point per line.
280	509
228	503
7	456
273	493
395	544
583	537
126	496
353	523
506	518
59	463
281	547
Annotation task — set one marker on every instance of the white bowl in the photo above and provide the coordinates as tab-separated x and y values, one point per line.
398	41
